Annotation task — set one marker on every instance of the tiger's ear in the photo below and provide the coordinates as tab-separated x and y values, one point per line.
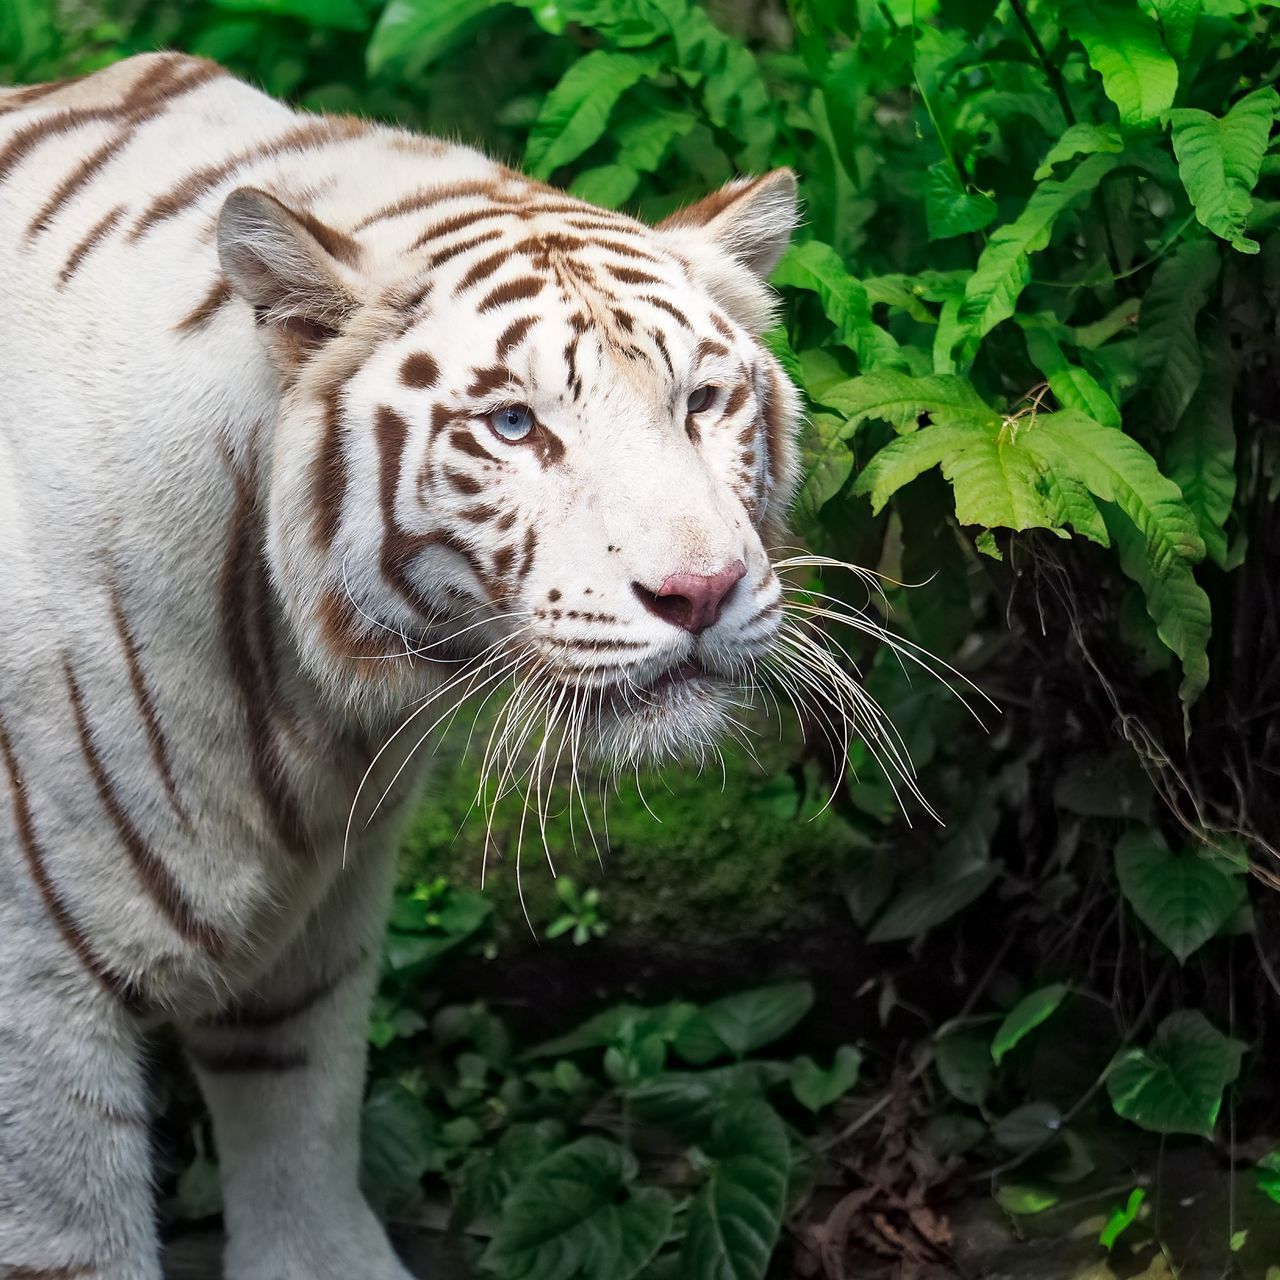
734	239
291	268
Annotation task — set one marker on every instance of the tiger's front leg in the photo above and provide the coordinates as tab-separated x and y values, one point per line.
283	1073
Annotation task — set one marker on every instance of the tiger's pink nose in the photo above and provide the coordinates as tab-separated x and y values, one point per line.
693	601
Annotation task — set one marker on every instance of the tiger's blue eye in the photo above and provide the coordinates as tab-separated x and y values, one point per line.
513	422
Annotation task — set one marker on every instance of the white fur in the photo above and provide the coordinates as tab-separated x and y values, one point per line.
131	444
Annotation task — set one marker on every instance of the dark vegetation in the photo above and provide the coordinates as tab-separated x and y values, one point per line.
1033	308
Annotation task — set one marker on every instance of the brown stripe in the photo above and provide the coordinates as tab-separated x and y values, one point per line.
97	233
399	546
775	434
246	635
242	1059
707	348
156	741
629	275
196	185
145	102
484	382
479	514
30	136
71	1271
663	305
265	1017
19	98
218	294
722	326
329	472
737	398
419	370
463	482
416	201
483	269
457	223
465	442
514	334
661	343
152	873
337	244
442	256
117	984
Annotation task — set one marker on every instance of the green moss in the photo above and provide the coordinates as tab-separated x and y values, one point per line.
722	857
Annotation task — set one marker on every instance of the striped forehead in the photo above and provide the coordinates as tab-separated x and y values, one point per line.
558	307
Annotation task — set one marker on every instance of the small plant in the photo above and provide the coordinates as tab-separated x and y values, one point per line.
581	915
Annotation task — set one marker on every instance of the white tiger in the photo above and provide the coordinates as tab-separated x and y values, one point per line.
305	421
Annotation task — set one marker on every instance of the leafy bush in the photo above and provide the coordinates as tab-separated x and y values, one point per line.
1033	311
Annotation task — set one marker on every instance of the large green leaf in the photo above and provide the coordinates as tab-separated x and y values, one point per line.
412	34
1003	270
576	112
734	1221
826	462
1080	140
1075	387
949	209
1116	468
964	1066
577	1216
743	1022
1025	1017
1200	456
1168	348
818	267
686	1103
1124	47
1175	602
1219	161
1175	1084
815	1087
1177	20
1183	899
901	399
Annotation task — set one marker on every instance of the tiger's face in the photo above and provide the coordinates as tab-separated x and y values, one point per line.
554	458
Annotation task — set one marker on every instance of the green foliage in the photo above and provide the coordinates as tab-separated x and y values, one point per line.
1175	1084
1025	1017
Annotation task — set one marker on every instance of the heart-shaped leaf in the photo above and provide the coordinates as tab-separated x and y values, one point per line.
815	1088
735	1219
1175	1084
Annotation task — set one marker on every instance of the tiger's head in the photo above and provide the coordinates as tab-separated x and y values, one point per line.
527	441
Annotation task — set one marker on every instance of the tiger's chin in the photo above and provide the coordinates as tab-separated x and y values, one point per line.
682	715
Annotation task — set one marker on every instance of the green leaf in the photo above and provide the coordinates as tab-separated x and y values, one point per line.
1267	1176
686	1103
1175	1084
1177	19
1116	468
1168	348
747	1021
1027	1127
1200	457
608	185
927	902
1219	161
1081	140
964	1067
1122	1219
900	399
1182	898
1124	47
577	1216
818	268
1024	1199
826	462
735	1219
815	1088
1074	387
1175	602
399	1144
1025	1017
412	34
488	1176
576	112
949	209
991	292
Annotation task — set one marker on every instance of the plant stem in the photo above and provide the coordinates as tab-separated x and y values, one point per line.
1055	76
